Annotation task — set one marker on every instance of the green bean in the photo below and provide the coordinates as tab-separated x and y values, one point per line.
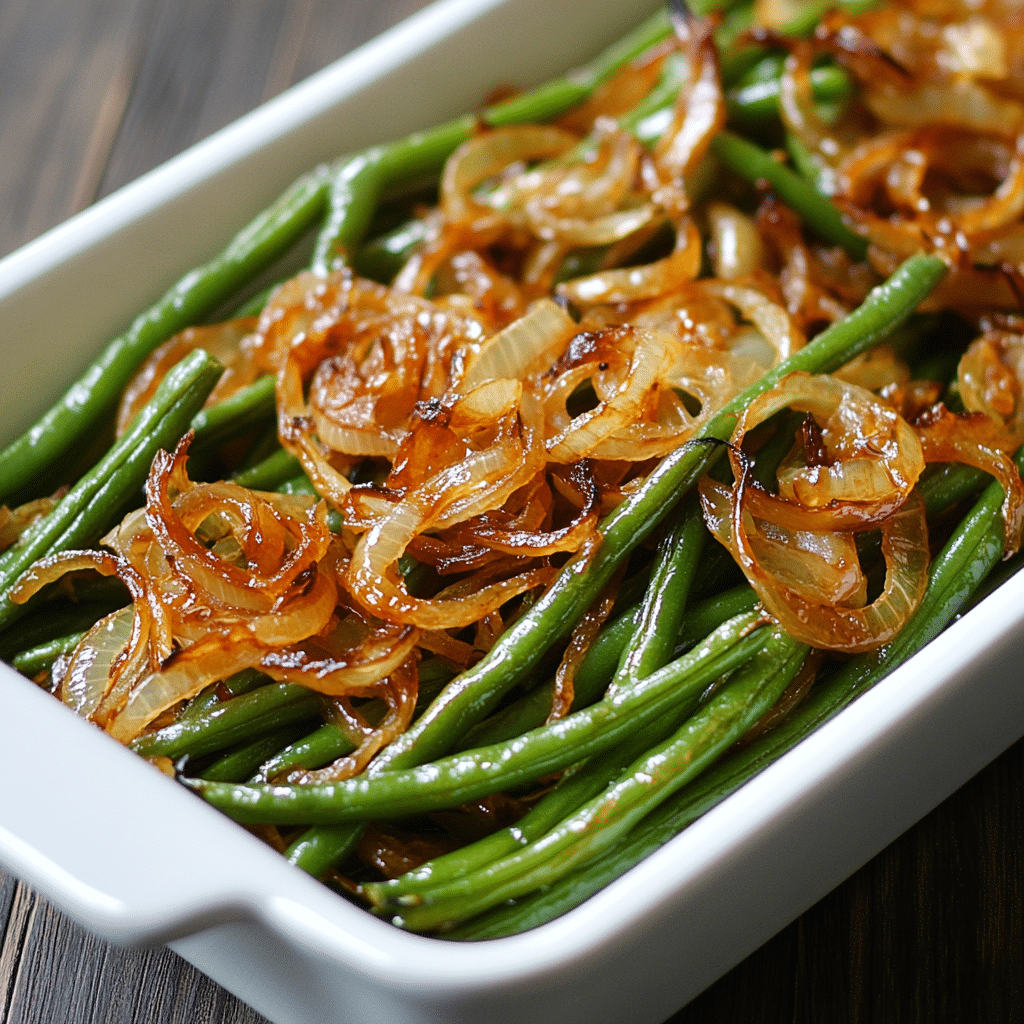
271	472
232	721
954	577
949	483
599	665
54	620
946	489
240	763
652	644
473	774
41	658
598	824
753	163
102	496
83	408
768	68
578	785
759	100
710	613
318	748
249	407
245	681
800	157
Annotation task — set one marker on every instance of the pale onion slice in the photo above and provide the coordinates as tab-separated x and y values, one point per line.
399	693
777	327
215	657
698	116
348	658
800	116
580	186
974	47
875	369
820	566
575	232
518	538
621	391
296	617
527	346
225	648
735	243
14	522
629	284
486	156
372	579
959	102
101	669
88	675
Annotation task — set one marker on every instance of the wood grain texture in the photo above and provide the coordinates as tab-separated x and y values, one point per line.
96	92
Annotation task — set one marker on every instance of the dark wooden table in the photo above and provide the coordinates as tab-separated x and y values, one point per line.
95	92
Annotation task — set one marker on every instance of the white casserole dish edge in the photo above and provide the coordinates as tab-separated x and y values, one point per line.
134	857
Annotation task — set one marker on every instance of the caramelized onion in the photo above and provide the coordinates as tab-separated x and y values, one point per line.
872	457
799	593
974	440
228	342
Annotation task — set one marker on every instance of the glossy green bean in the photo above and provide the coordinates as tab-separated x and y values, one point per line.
598	824
246	681
474	774
653	642
239	764
749	161
248	408
102	496
232	721
41	657
268	474
649	648
318	748
759	101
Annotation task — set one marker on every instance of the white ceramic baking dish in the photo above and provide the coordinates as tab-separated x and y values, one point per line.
134	857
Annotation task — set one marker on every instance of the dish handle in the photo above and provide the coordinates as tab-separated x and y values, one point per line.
103	835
